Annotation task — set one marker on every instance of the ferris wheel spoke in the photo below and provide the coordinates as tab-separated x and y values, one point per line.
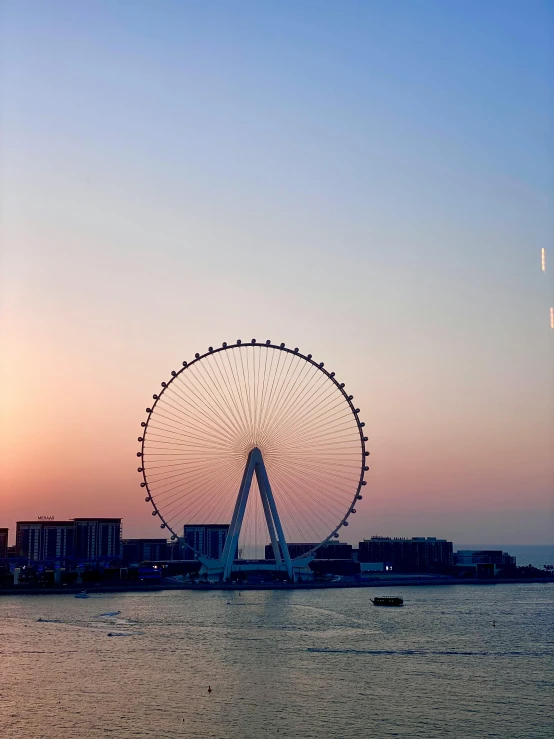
167	424
226	416
221	489
320	424
271	383
315	513
201	425
285	382
173	432
322	495
187	450
258	387
222	498
309	440
322	407
212	416
205	468
314	389
241	391
252	383
207	432
194	492
232	395
282	387
190	403
275	384
286	503
310	382
192	441
266	389
237	421
302	379
203	395
164	484
248	391
179	467
238	393
314	477
325	452
317	434
186	496
306	464
328	444
318	480
260	390
225	426
291	420
291	504
295	495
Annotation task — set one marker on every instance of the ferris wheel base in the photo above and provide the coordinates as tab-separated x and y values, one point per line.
219	569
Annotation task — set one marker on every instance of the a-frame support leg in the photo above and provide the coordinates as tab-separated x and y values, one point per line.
256	464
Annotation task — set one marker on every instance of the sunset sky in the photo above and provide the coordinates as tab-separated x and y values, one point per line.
369	181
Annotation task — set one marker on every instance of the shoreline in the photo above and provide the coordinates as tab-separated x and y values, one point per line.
377	583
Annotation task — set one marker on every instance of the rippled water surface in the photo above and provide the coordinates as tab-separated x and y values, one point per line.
290	664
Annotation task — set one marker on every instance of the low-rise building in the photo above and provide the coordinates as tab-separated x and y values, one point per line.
418	554
470	557
332	550
134	551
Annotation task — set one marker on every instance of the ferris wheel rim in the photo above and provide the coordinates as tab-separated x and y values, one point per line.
198	357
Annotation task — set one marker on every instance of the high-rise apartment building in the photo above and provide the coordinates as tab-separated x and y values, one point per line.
51	541
207	539
97	539
58	539
81	539
3	543
28	540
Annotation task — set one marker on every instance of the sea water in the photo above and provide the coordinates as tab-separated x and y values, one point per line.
456	661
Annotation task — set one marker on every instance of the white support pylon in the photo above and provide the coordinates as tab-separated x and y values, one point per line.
255	464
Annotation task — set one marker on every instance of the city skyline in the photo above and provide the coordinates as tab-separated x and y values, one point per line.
347	537
278	175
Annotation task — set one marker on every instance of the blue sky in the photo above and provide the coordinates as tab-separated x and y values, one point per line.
371	181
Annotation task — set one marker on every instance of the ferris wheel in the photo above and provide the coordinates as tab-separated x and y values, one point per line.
258	437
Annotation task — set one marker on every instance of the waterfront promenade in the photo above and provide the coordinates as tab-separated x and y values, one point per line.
405	581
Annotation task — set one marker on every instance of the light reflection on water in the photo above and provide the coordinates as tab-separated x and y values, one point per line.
287	664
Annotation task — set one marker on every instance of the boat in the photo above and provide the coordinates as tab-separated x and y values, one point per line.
387	600
82	594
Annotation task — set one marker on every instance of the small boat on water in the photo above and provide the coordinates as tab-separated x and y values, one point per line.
82	594
387	600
